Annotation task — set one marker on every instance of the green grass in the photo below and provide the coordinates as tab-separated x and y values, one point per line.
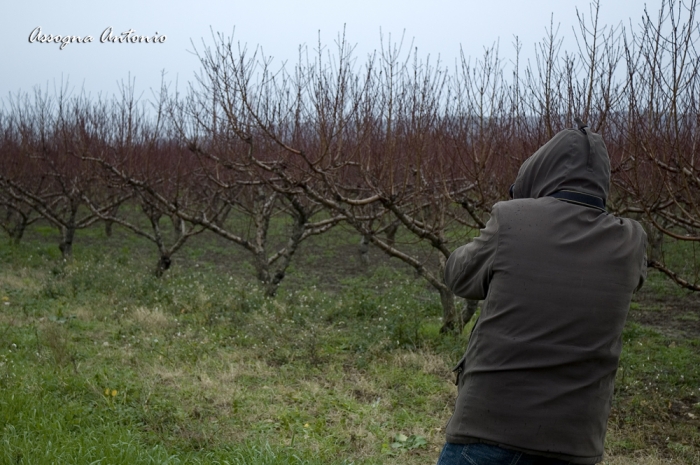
100	362
205	369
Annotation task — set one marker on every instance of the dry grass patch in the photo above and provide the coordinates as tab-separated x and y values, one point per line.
8	317
247	398
427	362
22	279
161	375
55	338
152	319
83	313
645	459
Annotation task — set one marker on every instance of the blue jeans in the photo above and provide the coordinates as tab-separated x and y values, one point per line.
485	454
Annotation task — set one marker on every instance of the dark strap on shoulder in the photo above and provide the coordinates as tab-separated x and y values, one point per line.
580	198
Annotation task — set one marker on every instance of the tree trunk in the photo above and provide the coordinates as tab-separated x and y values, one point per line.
656	242
391	233
108	227
449	315
163	264
468	310
261	267
271	289
68	232
297	235
15	224
364	251
17	231
66	245
109	223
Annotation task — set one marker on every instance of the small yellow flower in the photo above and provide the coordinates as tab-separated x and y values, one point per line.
107	392
114	392
306	425
5	298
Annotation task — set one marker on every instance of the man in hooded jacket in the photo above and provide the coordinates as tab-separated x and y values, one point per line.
557	274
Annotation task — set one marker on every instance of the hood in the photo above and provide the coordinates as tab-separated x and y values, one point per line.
573	160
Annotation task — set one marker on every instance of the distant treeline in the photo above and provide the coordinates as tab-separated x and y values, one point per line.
394	146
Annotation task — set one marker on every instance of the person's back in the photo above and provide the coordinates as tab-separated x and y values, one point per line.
557	275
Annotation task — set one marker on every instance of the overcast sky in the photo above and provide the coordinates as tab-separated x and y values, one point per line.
438	27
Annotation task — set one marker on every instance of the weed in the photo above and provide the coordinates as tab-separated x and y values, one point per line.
100	361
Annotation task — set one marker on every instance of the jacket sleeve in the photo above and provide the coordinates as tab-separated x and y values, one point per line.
469	269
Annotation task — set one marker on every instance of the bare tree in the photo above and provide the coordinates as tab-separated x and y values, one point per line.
233	186
659	175
143	161
51	131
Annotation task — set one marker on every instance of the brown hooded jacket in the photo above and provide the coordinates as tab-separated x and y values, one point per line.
557	276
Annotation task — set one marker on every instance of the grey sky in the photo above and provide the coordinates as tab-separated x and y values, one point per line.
437	28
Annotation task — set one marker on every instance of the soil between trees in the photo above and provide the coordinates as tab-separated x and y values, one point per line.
675	315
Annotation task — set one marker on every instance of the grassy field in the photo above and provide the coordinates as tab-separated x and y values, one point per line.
100	362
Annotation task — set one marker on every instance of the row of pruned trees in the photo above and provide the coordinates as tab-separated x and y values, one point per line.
410	153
